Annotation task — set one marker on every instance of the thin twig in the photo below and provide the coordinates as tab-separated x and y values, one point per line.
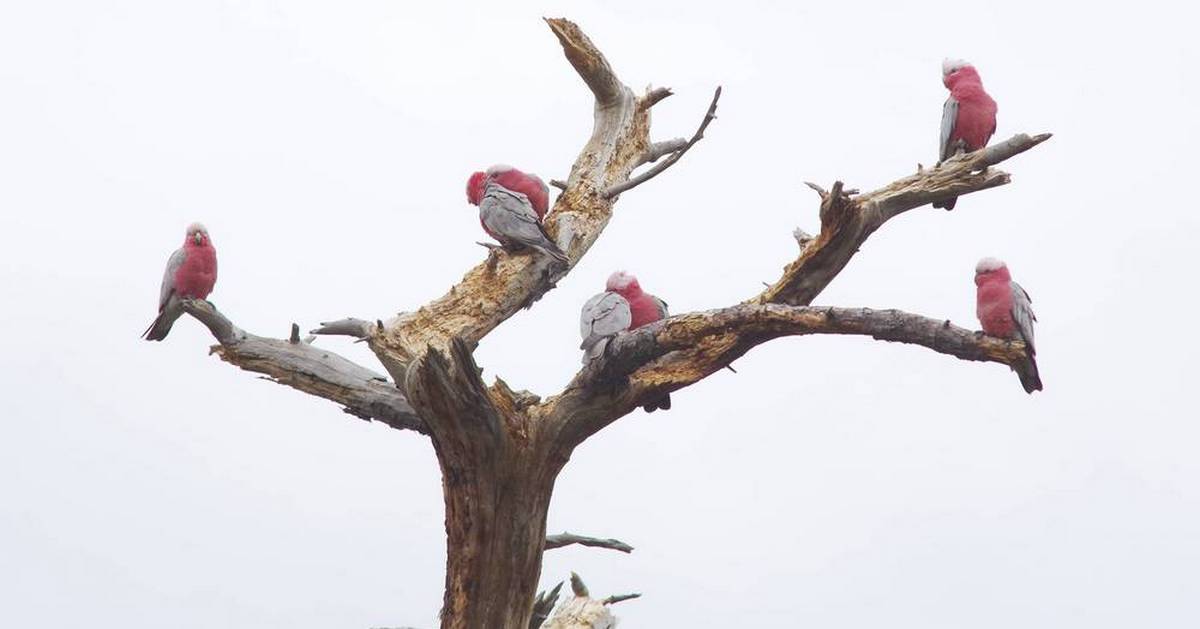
565	539
617	598
634	182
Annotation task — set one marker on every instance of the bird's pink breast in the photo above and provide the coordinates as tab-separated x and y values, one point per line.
198	273
643	309
976	116
994	308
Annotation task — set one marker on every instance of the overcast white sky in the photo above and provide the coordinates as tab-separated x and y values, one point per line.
832	482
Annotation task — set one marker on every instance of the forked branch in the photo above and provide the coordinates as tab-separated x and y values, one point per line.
677	148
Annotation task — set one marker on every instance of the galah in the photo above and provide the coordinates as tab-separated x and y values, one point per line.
1006	311
191	273
511	207
968	117
622	306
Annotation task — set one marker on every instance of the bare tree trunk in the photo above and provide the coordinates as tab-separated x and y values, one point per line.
496	530
497	478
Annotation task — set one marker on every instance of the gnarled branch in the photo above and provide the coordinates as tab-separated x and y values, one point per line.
320	372
673	353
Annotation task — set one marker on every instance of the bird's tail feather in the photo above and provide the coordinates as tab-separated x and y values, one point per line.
166	318
1030	378
595	350
553	251
160	328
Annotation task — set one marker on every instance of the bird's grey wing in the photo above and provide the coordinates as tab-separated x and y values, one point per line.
168	281
949	115
510	214
663	309
1022	311
602	316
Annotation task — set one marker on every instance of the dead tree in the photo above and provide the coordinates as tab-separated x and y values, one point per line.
500	450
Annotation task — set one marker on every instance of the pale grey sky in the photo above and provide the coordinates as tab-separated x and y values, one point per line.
832	482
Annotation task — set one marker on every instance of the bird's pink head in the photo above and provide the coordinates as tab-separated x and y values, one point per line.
197	236
991	269
475	186
957	70
624	284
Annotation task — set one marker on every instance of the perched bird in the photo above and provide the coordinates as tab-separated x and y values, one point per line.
511	207
622	306
191	273
1006	311
968	117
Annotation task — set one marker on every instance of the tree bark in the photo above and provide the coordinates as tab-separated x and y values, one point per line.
497	479
495	529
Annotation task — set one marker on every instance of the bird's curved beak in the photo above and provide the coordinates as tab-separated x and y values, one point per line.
199	238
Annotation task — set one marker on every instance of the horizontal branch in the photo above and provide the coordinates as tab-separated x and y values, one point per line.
681	350
847	221
566	539
360	391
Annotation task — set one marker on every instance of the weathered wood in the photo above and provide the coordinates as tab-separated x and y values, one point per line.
313	370
584	612
496	480
543	605
566	539
356	328
678	351
847	222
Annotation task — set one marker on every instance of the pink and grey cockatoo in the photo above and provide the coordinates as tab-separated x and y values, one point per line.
622	306
191	273
968	117
511	207
1006	311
